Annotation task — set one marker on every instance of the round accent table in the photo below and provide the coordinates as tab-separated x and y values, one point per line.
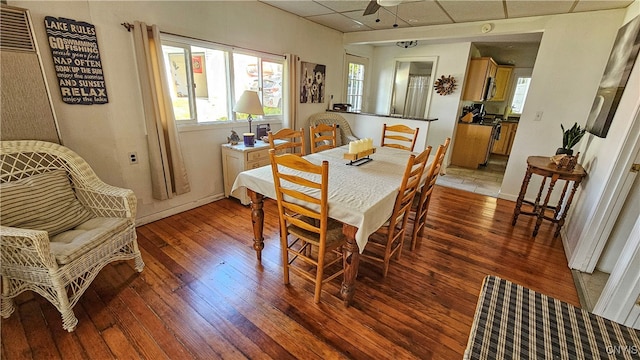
543	166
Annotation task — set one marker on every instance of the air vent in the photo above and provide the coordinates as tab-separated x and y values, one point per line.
15	33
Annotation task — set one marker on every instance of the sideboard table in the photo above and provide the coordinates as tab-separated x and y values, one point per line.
543	166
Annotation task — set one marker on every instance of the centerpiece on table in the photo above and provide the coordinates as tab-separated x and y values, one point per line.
359	151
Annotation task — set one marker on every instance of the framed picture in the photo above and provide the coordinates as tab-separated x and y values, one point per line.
615	77
312	78
196	63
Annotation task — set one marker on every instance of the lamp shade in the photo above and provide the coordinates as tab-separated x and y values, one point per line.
249	103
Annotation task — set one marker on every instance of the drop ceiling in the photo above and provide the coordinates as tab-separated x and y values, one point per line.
347	15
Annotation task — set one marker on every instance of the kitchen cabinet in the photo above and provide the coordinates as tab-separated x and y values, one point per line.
502	81
472	145
478	82
237	158
503	145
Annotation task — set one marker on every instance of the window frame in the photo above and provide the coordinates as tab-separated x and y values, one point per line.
186	43
359	60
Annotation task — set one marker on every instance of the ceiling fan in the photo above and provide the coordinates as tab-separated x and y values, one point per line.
374	5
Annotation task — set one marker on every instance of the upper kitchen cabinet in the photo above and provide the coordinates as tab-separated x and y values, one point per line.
478	84
502	81
486	80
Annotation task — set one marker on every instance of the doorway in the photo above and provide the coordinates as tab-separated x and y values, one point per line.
487	179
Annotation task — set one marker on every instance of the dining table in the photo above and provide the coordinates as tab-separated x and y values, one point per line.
361	197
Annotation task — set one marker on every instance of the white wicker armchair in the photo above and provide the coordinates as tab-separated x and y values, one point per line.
329	118
60	252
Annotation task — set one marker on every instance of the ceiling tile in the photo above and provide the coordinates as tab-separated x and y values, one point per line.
345	5
518	8
387	19
592	5
301	8
423	13
339	22
467	11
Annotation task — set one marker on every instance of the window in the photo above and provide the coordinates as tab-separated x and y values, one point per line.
206	79
355	81
520	94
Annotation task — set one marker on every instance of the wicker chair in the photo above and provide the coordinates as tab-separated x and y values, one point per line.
60	225
346	135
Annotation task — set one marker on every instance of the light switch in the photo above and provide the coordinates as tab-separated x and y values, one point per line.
538	116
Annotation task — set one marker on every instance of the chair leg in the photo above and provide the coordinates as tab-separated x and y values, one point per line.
385	267
285	257
7	304
69	320
417	225
319	275
138	259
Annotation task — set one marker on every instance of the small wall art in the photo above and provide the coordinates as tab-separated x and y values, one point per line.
312	78
615	77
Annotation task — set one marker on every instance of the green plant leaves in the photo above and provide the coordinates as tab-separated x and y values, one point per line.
572	136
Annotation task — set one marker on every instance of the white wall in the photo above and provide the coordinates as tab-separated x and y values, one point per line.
452	60
105	134
565	78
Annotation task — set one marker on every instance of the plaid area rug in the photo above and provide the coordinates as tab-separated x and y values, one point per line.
513	322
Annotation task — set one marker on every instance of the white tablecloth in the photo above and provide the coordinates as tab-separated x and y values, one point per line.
362	196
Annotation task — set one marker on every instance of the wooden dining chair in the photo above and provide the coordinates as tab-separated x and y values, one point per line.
294	141
307	235
399	136
323	137
423	197
388	240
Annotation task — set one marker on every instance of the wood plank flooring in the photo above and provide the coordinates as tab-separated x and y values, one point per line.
203	296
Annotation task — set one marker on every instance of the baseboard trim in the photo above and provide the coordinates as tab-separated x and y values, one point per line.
176	210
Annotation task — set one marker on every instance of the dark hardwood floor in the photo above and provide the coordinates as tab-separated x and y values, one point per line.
202	294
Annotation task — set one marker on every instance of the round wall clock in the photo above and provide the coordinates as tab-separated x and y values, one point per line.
445	85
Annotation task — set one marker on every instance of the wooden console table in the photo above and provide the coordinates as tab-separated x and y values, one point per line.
543	166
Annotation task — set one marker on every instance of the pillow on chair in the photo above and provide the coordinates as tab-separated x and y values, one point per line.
42	202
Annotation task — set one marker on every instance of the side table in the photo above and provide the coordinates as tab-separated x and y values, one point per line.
543	166
237	158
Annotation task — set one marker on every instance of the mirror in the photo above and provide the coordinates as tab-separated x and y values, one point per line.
412	88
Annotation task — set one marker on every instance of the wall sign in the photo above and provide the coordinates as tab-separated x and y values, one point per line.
76	58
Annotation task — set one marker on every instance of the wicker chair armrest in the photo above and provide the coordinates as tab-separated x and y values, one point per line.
108	201
26	248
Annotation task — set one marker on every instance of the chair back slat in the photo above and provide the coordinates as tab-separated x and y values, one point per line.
388	240
424	197
323	137
294	141
392	136
302	196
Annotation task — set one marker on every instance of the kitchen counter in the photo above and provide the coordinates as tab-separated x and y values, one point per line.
381	115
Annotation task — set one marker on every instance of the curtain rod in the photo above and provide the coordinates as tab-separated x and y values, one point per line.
130	27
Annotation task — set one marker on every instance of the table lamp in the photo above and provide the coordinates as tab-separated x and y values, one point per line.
249	104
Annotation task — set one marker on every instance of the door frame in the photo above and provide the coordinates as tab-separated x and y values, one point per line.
620	294
589	248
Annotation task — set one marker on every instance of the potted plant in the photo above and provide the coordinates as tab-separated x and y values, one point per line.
570	137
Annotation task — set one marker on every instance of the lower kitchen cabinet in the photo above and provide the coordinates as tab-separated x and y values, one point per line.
503	145
472	145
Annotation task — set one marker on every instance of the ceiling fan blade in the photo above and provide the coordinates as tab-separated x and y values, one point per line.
371	8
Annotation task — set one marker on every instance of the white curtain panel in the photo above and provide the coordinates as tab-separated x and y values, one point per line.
168	173
292	70
416	103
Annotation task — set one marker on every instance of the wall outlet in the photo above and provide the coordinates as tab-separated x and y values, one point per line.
133	158
538	116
